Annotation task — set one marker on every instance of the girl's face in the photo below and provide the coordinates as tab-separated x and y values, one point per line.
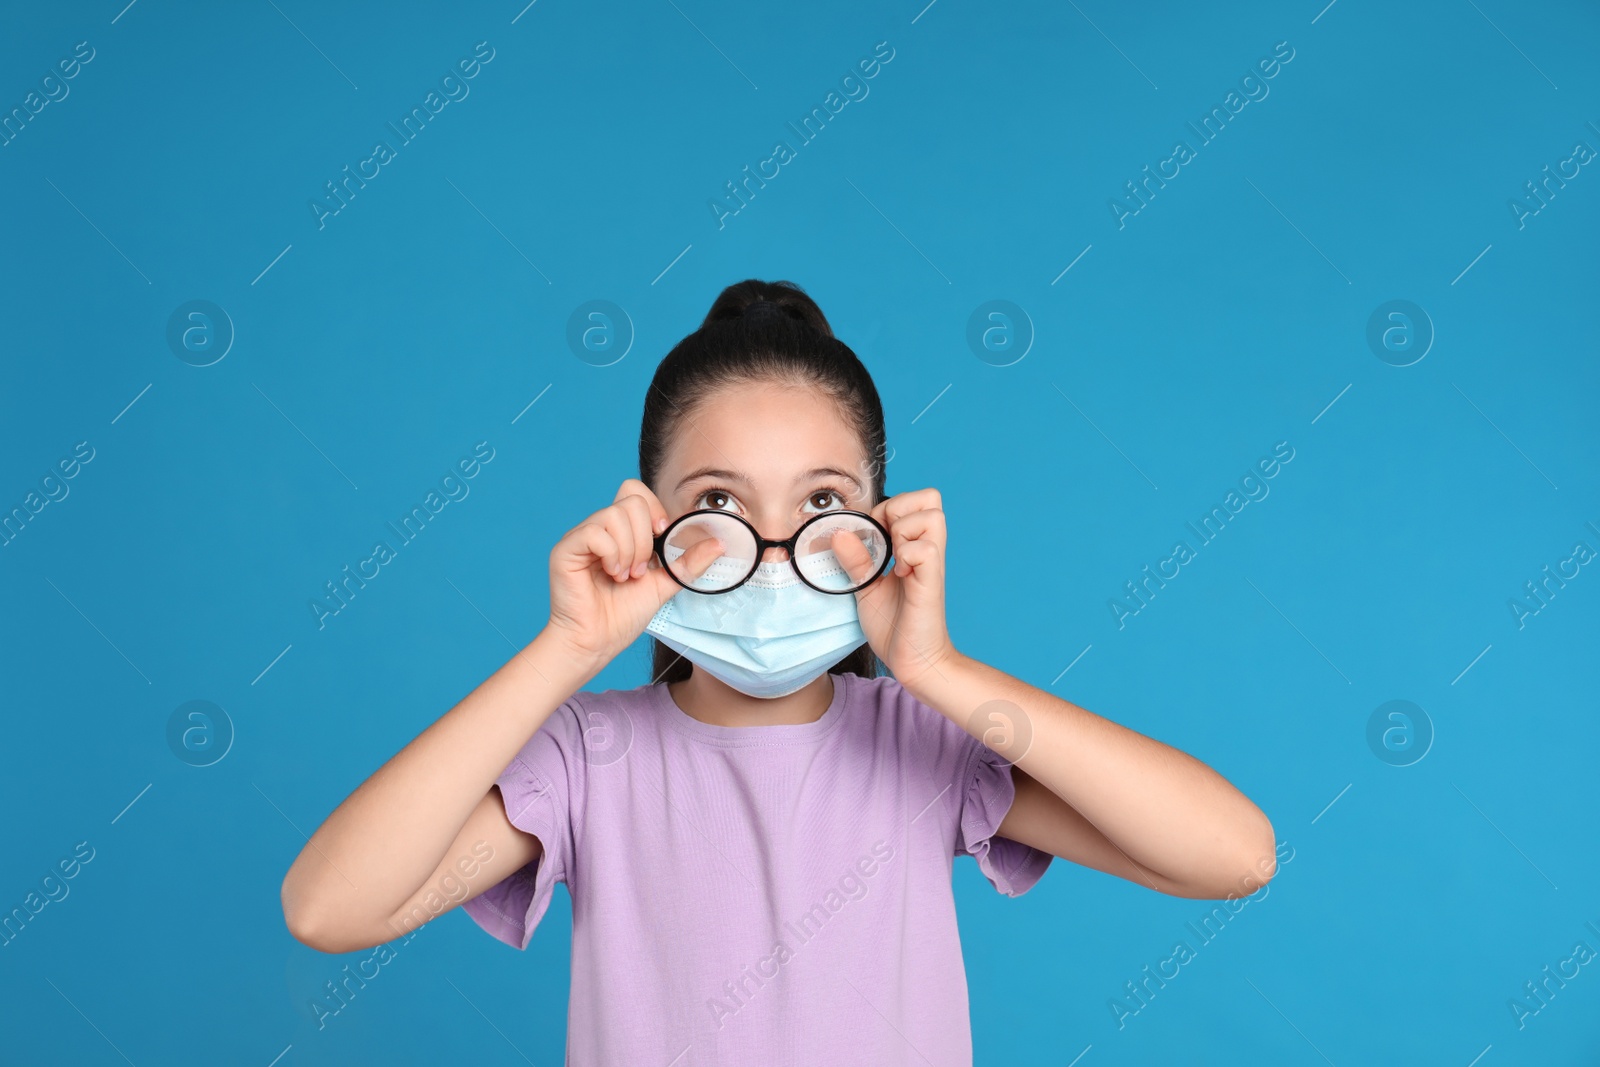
775	455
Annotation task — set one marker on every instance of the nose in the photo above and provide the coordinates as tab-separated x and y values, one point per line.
770	531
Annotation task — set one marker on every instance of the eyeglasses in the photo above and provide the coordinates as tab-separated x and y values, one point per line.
810	550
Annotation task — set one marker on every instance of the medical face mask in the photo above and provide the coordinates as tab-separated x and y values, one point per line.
769	637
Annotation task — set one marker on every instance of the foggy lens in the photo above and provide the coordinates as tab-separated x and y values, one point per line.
687	552
832	545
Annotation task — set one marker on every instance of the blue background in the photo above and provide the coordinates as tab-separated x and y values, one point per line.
1228	314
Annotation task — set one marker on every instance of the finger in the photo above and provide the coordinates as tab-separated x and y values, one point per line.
878	598
902	504
653	521
853	555
591	543
916	556
693	563
662	582
639	517
658	511
919	525
620	527
917	528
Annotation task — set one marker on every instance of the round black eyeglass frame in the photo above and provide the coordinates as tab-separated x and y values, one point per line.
762	544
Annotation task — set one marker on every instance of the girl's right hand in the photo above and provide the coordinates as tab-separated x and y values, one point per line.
605	582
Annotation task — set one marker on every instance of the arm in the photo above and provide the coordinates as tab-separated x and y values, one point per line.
429	814
1087	789
397	851
1039	818
1099	794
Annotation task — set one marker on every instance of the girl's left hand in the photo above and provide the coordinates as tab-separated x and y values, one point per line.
902	613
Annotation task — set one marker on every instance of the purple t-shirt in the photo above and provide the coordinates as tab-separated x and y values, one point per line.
767	894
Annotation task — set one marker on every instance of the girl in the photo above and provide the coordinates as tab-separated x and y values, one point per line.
758	844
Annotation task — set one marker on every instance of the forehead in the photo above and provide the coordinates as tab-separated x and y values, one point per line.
772	432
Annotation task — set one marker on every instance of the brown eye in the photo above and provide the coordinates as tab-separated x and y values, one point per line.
713	499
825	500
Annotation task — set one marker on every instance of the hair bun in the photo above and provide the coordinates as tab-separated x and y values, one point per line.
764	306
761	309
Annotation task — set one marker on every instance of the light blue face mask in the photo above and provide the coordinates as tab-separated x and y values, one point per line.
768	638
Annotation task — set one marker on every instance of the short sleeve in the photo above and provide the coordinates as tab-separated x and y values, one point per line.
987	792
540	788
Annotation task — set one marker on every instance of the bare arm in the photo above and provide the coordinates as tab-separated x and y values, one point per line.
1097	793
1039	818
1087	789
486	852
408	824
427	830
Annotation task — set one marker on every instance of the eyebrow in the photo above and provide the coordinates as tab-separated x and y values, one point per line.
740	476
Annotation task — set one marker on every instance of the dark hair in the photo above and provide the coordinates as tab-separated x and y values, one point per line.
787	340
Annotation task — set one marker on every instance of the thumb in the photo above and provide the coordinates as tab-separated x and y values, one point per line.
661	584
853	556
873	600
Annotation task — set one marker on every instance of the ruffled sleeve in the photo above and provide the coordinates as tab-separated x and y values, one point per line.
537	790
1011	867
